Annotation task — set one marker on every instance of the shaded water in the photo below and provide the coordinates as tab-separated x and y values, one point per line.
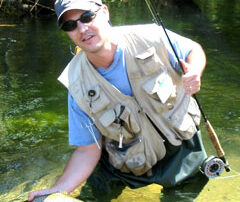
33	110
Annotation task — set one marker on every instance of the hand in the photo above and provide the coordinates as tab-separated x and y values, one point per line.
38	193
70	179
191	79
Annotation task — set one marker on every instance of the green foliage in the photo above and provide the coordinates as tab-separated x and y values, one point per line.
11	8
225	16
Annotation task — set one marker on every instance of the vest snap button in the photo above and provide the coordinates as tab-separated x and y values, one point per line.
91	93
170	106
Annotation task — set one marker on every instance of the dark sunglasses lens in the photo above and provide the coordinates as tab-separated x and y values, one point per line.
87	16
69	25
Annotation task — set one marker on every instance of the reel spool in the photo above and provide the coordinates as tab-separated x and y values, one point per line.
213	167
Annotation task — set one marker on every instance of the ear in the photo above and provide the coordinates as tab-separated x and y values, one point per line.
106	12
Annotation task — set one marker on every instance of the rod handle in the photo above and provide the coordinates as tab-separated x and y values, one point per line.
214	139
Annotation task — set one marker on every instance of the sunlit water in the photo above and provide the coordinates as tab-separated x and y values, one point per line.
33	110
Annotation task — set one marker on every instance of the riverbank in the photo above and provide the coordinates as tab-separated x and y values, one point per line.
20	8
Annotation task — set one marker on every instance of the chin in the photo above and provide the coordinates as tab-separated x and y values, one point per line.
93	49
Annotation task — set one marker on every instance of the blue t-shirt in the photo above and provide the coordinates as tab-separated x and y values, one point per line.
82	130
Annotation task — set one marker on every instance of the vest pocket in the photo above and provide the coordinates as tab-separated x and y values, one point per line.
119	121
161	91
149	61
185	118
96	99
132	159
140	156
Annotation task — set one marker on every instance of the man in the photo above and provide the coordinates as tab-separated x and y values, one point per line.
128	100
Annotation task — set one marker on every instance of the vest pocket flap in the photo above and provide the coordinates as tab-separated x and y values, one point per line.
161	84
149	62
107	118
151	86
146	54
129	121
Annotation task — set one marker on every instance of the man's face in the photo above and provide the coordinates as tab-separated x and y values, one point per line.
91	36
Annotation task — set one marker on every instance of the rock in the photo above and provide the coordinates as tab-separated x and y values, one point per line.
58	197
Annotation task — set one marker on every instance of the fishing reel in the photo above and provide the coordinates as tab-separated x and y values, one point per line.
212	167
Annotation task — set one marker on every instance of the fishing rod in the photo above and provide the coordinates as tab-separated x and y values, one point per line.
212	166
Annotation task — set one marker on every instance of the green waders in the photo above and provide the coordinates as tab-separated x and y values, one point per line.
179	164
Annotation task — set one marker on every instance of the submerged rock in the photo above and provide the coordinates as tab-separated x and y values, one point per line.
58	197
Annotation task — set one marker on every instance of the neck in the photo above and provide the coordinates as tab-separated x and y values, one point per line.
104	57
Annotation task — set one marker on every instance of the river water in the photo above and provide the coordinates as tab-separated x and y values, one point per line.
33	111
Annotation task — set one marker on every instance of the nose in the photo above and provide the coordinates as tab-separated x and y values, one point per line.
81	27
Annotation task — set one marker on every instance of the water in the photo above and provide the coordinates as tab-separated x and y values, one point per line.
33	110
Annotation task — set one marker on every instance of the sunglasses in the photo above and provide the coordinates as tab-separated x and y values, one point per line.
86	17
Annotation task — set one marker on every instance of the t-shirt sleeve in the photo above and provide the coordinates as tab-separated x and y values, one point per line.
79	123
182	45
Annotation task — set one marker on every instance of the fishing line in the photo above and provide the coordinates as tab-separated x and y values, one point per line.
231	176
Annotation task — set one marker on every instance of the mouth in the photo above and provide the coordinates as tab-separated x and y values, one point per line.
87	38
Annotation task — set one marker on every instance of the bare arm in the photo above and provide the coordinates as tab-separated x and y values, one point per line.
80	166
194	67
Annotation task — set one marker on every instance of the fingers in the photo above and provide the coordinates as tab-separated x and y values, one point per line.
191	79
35	194
32	195
191	84
191	90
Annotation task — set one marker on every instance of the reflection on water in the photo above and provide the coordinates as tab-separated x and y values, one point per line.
33	117
33	110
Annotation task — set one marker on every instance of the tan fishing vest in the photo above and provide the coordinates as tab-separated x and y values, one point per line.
131	140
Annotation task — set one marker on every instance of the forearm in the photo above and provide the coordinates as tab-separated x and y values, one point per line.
80	166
